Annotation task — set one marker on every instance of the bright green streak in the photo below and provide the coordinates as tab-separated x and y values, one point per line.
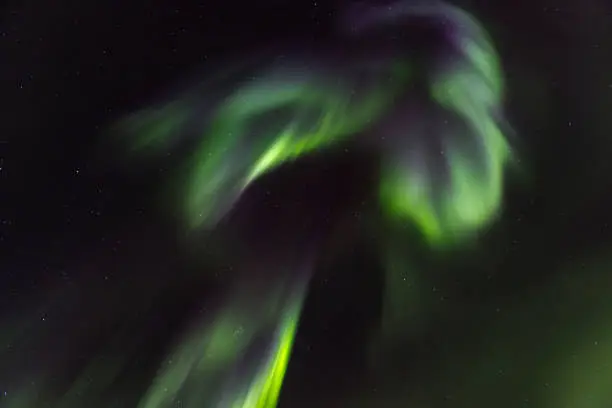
265	391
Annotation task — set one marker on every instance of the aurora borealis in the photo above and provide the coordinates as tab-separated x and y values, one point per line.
443	154
307	205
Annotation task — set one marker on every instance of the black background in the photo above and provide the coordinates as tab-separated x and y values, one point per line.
69	219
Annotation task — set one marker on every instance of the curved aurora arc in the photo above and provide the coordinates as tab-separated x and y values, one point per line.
443	167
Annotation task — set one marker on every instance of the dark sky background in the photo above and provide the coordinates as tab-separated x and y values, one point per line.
74	222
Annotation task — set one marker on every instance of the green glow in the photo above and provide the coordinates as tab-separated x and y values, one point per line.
474	192
218	175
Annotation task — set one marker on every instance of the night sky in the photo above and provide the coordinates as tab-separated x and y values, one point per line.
85	247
